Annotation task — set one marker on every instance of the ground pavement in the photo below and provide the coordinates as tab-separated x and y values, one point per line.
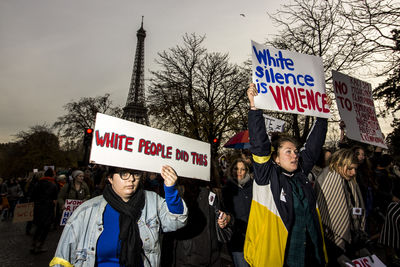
15	246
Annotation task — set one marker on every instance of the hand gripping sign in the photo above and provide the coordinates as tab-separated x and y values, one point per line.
126	144
288	81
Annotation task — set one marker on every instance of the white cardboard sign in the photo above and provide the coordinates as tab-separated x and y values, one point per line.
288	81
121	143
70	206
368	262
273	124
357	110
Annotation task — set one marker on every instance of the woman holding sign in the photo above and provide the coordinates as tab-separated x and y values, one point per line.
122	227
283	227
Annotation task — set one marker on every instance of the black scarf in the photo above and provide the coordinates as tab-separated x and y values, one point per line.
130	212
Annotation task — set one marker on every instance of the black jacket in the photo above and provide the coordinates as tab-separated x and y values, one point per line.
196	244
270	182
237	201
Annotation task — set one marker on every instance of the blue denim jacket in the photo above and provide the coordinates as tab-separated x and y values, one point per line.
77	245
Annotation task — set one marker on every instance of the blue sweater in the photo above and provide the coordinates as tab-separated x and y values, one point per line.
108	244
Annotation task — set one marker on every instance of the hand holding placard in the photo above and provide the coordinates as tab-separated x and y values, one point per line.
169	175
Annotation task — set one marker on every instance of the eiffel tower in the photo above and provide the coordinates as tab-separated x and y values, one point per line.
135	109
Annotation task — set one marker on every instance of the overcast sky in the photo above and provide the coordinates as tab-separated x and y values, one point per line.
53	52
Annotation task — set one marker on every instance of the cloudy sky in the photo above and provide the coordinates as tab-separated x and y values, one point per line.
55	51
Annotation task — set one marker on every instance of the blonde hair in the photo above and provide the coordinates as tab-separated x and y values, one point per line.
342	159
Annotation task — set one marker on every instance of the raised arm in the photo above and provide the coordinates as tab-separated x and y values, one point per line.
259	141
310	151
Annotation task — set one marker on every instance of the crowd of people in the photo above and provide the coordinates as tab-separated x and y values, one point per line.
275	204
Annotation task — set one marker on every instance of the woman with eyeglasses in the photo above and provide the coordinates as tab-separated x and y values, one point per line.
122	227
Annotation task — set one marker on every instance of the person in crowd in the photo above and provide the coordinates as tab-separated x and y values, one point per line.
5	205
29	188
322	162
77	189
390	234
385	194
342	207
237	196
22	184
320	166
61	180
14	195
246	157
44	197
153	182
101	185
388	202
344	141
284	227
88	179
98	172
198	244
365	178
122	226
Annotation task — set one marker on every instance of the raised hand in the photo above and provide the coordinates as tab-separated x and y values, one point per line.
169	175
251	93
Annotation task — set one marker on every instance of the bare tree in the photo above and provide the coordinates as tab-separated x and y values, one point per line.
340	32
376	23
198	94
82	115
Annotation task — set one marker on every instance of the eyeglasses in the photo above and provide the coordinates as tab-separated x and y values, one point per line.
125	175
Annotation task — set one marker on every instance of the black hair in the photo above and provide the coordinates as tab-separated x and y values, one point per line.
49	172
384	160
111	170
277	139
321	159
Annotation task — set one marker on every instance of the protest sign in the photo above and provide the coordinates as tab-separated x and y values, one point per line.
289	82
357	110
45	168
23	212
372	261
70	205
126	144
273	125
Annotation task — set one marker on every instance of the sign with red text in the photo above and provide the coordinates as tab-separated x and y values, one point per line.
70	205
273	124
126	144
23	212
372	261
357	110
289	82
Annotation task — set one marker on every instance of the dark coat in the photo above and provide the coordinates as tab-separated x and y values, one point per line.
44	196
196	244
237	201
